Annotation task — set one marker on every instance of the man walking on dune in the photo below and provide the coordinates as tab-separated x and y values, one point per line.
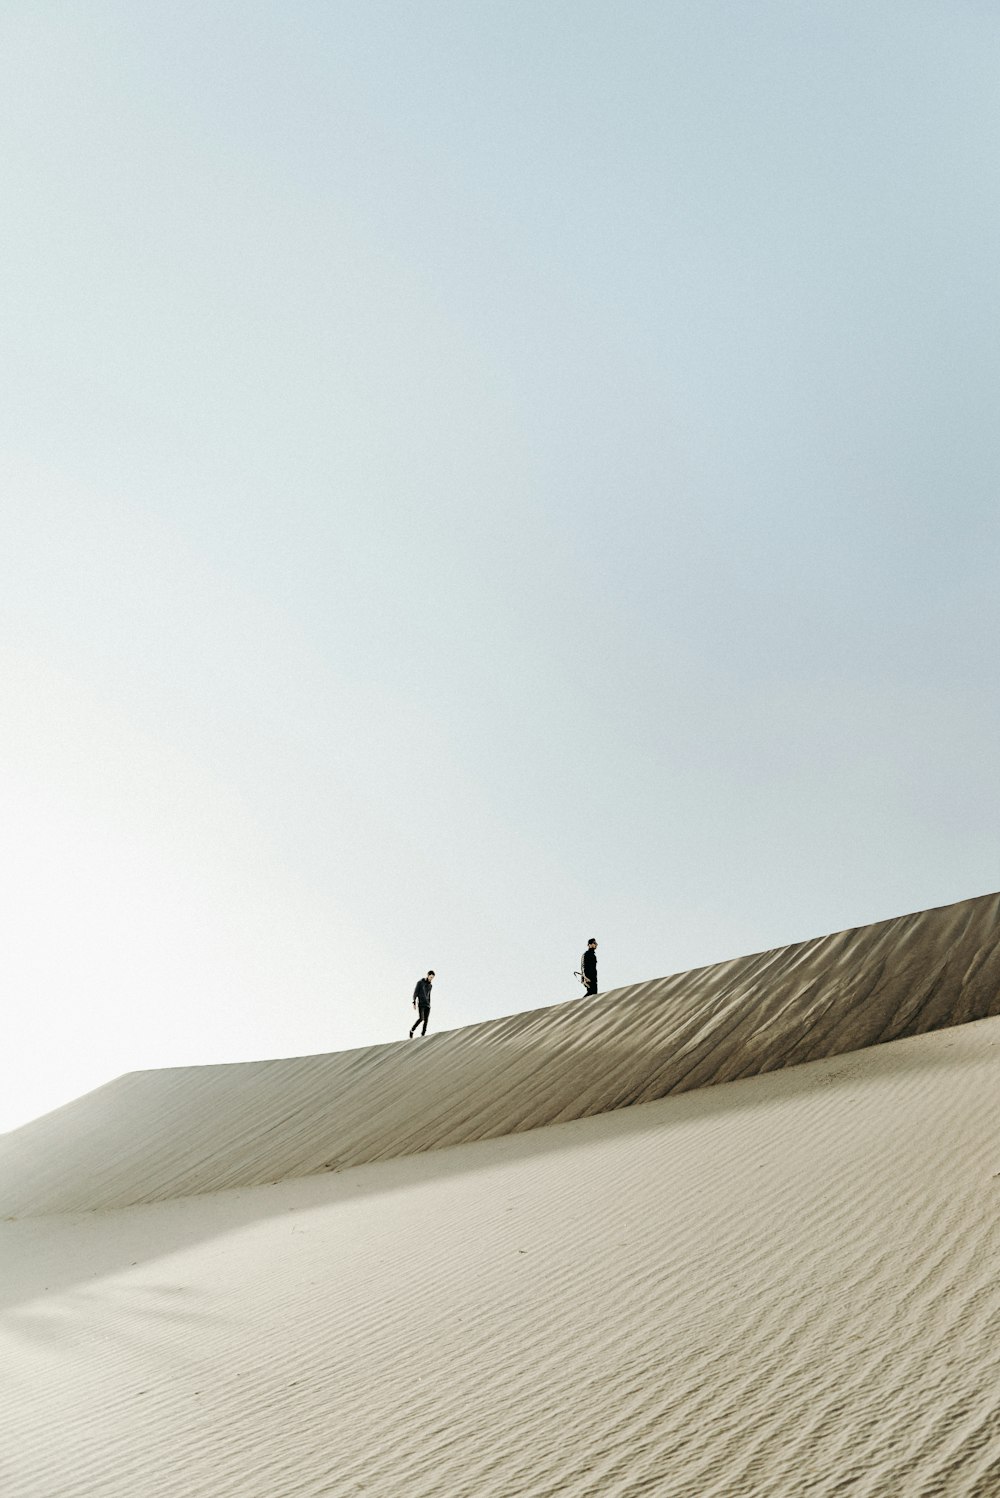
588	967
422	1002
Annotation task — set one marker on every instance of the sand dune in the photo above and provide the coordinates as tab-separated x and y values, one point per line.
771	1287
151	1136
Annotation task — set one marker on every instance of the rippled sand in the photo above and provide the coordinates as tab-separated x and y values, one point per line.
784	1284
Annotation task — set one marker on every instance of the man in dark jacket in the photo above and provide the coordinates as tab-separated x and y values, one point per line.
422	1002
588	966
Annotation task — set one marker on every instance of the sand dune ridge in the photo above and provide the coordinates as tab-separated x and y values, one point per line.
143	1138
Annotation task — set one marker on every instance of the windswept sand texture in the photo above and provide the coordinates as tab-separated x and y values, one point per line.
152	1136
781	1285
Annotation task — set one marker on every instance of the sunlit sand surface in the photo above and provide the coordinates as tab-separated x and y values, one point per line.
722	1234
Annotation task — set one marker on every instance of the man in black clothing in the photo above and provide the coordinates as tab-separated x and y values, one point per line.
422	1002
588	966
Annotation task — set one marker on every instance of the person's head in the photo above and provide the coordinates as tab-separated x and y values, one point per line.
430	976
592	942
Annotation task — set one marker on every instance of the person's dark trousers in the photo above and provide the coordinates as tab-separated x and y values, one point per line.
423	1014
591	987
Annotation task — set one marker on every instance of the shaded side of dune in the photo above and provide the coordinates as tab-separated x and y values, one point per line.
151	1136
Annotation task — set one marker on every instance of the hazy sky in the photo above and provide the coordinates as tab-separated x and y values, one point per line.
477	476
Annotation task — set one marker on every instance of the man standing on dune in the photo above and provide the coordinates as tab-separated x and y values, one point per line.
588	967
422	1002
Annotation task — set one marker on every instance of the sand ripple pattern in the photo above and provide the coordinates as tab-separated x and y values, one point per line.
783	1287
152	1136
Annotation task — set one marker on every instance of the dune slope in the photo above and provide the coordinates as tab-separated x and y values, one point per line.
771	1288
151	1136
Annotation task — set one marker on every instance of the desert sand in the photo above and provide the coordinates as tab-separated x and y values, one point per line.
734	1232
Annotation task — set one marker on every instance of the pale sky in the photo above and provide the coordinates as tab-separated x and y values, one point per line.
477	476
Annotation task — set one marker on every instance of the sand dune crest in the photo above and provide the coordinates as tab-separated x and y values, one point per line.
151	1136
